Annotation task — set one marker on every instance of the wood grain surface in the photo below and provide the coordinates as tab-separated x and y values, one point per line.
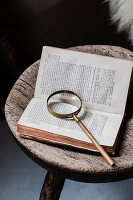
76	165
52	187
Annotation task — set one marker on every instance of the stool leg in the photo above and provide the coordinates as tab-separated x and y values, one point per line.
52	187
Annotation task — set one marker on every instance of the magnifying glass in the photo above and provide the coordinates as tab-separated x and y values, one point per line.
66	104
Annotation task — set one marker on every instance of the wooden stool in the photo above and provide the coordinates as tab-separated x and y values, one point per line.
66	163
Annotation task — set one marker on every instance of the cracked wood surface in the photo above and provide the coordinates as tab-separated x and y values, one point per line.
76	165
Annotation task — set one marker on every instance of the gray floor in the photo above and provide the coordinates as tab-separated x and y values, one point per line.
21	179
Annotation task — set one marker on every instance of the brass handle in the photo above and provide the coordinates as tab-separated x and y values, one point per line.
94	141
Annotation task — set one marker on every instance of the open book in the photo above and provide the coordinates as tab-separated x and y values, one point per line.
102	83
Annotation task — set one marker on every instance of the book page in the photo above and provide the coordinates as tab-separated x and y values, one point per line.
103	126
101	82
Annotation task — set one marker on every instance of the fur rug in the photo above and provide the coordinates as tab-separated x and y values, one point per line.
122	14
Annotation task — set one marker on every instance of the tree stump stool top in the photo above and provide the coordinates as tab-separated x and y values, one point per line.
76	165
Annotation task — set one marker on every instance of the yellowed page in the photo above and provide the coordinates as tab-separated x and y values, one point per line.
104	126
102	82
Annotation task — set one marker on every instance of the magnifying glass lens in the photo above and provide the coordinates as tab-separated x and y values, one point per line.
64	103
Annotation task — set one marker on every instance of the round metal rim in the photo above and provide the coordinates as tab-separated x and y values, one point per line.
63	116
